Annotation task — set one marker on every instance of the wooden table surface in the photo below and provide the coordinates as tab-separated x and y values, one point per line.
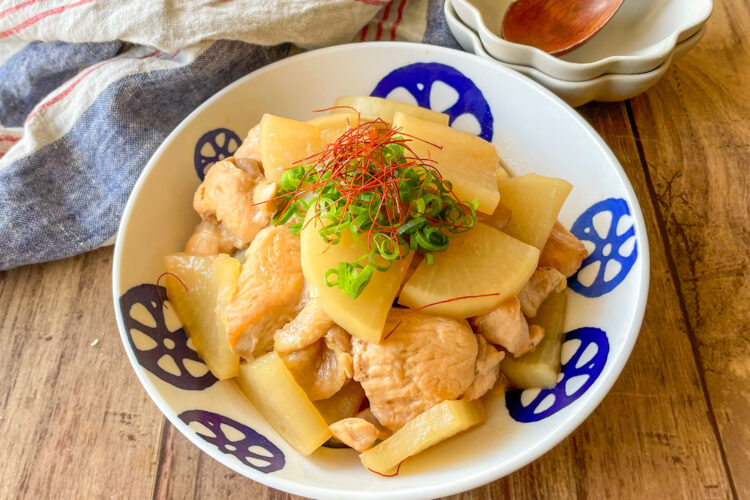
76	422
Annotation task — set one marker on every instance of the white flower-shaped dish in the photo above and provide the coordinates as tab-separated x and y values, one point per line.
533	131
611	87
638	38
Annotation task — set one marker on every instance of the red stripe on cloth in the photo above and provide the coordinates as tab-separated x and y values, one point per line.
363	36
398	19
62	95
379	3
152	54
35	19
382	19
20	6
9	138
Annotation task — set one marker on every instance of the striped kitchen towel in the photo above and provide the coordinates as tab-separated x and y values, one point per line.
90	88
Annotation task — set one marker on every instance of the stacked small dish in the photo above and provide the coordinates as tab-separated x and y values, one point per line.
629	55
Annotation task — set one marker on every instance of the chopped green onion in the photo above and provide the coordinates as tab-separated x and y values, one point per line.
403	204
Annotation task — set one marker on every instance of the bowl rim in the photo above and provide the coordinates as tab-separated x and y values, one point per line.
480	50
576	71
604	87
588	402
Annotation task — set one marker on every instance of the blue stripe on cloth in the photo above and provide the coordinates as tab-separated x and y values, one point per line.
67	198
437	32
41	67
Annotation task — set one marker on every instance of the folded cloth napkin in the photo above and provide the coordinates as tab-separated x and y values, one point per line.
90	88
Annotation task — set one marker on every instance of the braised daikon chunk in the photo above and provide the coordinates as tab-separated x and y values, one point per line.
540	367
467	161
284	142
200	296
271	388
534	202
482	261
376	107
364	316
427	429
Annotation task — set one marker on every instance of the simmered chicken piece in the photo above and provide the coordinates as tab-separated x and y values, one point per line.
209	238
323	367
563	251
541	367
542	283
383	432
310	325
505	326
316	351
247	155
340	342
234	198
536	334
426	360
269	292
486	369
252	168
344	404
355	432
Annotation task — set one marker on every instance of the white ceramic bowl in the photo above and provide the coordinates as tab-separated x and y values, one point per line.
638	38
533	131
610	87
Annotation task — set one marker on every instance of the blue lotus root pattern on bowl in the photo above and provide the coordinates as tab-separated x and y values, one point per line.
418	79
578	374
236	439
161	343
213	146
610	249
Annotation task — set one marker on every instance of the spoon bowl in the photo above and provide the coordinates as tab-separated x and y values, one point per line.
556	26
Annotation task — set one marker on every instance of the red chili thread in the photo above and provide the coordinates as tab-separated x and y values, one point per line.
334	107
349	160
398	468
158	289
412	311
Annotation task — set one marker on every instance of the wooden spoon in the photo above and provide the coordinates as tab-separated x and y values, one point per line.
556	26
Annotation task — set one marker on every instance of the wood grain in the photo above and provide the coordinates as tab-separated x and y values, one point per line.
75	421
695	134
